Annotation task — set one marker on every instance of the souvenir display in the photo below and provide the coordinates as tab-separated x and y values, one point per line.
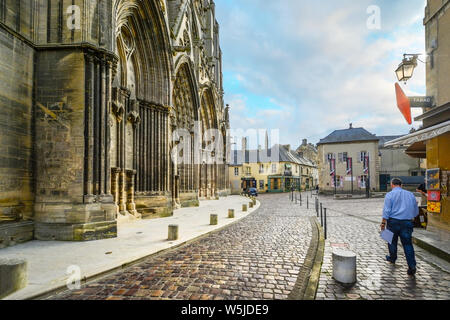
434	196
433	179
434	207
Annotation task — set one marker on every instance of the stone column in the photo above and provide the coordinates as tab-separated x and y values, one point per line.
115	174
89	137
131	205
122	193
103	120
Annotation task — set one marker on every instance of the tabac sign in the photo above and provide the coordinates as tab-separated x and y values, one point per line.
421	102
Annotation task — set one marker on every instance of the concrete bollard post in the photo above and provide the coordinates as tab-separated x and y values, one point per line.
344	266
173	232
214	219
244	208
231	213
13	276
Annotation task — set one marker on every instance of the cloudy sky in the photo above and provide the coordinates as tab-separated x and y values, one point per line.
310	67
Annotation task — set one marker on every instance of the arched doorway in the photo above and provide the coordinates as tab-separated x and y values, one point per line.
139	117
183	118
208	167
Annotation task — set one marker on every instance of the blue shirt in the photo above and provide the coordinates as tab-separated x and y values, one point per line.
401	205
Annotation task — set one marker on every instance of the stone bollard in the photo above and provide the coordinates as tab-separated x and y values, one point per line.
173	232
344	266
13	276
250	204
254	201
231	213
214	220
244	208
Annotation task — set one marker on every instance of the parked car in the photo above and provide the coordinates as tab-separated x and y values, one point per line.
252	192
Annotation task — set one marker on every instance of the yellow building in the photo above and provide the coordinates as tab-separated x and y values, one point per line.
432	141
278	169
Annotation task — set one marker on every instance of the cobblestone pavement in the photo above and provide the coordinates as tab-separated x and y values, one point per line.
259	257
355	224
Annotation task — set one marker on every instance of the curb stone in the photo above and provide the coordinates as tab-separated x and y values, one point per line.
308	278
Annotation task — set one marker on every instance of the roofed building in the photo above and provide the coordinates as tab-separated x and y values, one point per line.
356	144
278	169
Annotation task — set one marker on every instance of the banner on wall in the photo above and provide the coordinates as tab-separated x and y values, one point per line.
349	166
366	164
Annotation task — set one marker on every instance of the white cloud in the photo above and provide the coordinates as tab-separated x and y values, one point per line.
320	64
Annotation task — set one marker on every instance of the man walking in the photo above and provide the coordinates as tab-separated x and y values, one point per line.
400	209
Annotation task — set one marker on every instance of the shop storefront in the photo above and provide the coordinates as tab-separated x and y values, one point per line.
433	144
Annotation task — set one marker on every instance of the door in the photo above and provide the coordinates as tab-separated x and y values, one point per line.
384	181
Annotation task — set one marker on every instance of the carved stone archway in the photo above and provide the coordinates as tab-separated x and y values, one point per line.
185	114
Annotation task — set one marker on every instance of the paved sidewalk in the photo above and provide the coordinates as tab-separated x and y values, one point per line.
48	262
354	224
434	240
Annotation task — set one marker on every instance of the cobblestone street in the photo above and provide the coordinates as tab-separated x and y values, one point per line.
259	257
355	224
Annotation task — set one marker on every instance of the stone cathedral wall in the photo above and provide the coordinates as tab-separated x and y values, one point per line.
89	96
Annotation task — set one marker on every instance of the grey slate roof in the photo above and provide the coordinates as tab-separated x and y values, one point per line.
261	156
349	135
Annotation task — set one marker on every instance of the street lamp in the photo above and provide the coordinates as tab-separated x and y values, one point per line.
405	70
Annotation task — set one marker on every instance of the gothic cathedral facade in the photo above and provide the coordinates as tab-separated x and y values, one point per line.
91	95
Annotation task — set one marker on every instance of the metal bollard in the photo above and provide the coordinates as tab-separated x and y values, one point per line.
307	203
214	219
321	215
231	213
325	223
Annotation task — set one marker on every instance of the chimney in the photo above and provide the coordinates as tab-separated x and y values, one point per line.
244	144
305	142
267	141
351	125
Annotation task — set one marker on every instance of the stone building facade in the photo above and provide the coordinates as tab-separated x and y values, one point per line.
92	93
309	151
354	143
276	169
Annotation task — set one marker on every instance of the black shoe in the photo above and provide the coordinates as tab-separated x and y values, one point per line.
388	258
412	272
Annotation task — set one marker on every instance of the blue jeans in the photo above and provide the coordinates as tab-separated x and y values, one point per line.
404	230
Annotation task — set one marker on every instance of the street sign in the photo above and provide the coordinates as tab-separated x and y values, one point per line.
403	103
421	102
